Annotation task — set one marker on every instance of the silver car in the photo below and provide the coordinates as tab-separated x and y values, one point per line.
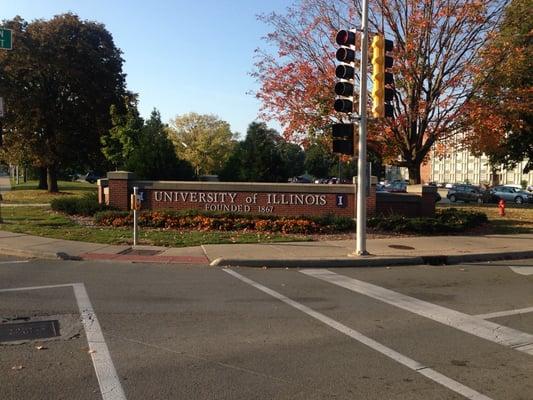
509	193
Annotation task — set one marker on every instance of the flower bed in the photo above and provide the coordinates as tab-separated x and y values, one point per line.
445	222
207	221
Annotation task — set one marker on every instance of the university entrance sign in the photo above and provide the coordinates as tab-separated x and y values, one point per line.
280	199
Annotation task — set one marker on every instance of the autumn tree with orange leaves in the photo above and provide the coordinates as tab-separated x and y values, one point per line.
436	46
499	118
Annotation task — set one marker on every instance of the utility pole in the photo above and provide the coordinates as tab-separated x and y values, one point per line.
360	232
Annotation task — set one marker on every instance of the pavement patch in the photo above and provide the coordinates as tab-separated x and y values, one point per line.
145	258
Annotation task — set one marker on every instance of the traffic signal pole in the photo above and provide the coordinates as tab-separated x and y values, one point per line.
360	233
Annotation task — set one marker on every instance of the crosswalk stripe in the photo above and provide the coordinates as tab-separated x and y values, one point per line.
467	323
414	365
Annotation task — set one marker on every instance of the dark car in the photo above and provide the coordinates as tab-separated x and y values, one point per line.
396	187
300	179
92	176
467	193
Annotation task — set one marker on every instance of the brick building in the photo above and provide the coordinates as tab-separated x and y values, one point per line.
459	165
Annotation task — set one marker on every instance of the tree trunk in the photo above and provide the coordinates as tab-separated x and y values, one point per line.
414	174
51	179
42	179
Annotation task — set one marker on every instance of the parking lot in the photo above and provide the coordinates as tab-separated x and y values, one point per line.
141	331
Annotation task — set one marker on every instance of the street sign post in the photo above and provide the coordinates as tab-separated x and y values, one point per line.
6	39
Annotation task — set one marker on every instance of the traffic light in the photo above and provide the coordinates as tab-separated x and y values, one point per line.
342	134
383	81
343	138
346	71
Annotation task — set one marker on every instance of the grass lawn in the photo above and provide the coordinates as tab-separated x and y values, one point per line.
41	221
518	219
26	193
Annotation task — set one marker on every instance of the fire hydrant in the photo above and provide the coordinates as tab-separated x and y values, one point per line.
501	206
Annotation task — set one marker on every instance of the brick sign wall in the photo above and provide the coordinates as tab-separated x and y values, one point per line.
256	198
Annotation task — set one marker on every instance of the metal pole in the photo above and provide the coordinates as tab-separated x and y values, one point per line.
361	164
135	190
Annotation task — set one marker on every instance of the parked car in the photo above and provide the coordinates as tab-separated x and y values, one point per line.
396	187
300	179
510	193
467	193
380	187
92	176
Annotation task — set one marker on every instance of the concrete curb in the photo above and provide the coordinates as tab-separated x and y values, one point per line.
37	254
316	262
515	255
369	262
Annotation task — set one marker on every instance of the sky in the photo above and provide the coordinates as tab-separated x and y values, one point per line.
180	56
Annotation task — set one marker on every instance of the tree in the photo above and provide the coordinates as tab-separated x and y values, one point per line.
59	82
293	158
261	159
231	170
499	117
203	140
318	160
120	141
153	155
263	156
436	45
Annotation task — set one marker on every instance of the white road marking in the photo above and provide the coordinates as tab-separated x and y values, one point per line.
15	262
435	376
35	287
523	270
498	314
467	323
103	364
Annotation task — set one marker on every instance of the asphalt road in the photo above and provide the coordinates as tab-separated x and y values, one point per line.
190	332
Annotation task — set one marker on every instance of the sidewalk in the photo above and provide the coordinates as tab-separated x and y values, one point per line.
325	254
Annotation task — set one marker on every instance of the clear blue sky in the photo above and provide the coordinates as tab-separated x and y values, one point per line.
181	55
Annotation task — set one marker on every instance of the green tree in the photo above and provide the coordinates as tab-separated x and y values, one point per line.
59	82
120	141
153	156
203	140
231	170
261	159
293	158
319	161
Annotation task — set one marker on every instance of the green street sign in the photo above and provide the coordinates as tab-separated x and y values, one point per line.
6	39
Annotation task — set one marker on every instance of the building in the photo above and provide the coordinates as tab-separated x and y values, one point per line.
462	166
458	165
